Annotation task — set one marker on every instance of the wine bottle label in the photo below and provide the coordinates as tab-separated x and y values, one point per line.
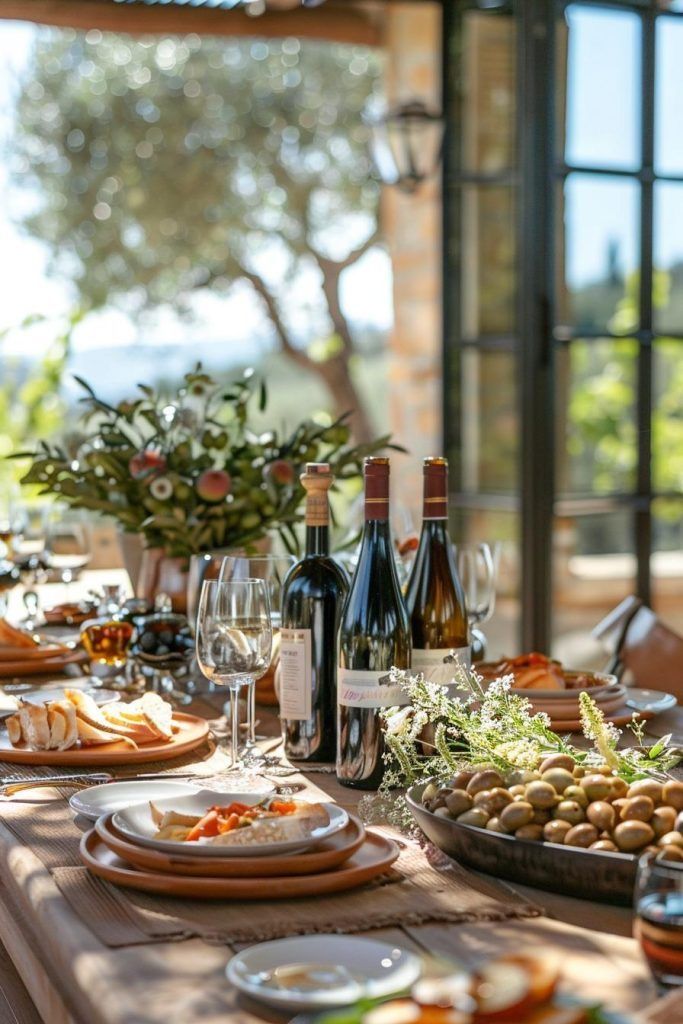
296	674
441	664
364	689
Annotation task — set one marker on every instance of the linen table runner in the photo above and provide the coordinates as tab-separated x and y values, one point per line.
421	887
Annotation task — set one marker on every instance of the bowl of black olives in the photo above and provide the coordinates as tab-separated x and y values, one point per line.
164	639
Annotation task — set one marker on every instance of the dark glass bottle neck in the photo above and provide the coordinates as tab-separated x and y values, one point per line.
376	540
436	528
317	540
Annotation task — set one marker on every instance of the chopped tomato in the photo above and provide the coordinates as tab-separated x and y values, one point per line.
208	826
282	806
228	824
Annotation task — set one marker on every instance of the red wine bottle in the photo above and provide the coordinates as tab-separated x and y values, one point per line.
374	636
435	598
312	602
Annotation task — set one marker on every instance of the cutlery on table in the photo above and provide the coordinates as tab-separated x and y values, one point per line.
13	784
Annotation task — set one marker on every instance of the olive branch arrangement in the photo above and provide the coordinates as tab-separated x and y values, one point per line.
436	735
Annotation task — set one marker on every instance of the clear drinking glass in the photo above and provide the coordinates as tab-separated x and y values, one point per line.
68	543
478	571
659	917
272	569
234	641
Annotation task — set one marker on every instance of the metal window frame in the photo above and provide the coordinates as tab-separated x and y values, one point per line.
536	177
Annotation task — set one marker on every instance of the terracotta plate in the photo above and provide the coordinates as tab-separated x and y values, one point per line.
192	731
327	855
25	667
372	858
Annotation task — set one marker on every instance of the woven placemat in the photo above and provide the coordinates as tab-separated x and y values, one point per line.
421	887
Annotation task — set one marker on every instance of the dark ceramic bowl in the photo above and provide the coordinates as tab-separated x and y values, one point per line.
572	871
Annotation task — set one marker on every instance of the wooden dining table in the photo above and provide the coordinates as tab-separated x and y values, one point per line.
73	978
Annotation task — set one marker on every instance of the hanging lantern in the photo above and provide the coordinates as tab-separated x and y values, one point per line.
406	143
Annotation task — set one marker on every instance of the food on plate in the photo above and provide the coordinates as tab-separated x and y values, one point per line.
538	672
76	719
16	645
568	804
272	821
70	613
511	990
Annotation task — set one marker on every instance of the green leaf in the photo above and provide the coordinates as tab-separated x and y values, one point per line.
659	746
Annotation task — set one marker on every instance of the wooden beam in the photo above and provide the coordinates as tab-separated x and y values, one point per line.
341	23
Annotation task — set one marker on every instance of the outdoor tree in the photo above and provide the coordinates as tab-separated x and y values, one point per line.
164	166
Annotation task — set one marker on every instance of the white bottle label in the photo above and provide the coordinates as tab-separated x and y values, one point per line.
441	665
296	674
364	689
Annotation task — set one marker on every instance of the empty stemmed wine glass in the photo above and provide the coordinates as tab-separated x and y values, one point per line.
67	543
272	569
234	641
478	570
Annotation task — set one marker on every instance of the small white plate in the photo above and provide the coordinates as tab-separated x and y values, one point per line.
137	824
351	969
115	796
649	700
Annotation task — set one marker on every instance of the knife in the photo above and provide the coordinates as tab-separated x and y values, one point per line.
13	784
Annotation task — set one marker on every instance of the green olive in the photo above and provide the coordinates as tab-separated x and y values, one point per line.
483	780
516	814
604	844
441	812
670	853
540	794
632	835
475	816
460	780
559	778
429	792
581	835
530	831
557	761
518	790
601	814
541	816
637	808
495	825
498	798
555	831
597	787
521	777
672	794
619	788
458	801
646	787
671	839
663	820
579	772
577	793
569	810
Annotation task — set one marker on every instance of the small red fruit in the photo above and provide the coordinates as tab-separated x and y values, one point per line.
213	485
280	472
145	463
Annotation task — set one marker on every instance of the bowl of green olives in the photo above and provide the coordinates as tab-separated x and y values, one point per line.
563	827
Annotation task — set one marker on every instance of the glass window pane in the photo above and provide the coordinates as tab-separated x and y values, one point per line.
490	428
668	257
488	260
489	88
594	568
502	528
666	563
667	416
669	96
597	253
602	121
596	428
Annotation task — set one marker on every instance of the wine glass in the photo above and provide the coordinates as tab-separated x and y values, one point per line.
234	641
68	547
28	544
659	917
478	570
272	569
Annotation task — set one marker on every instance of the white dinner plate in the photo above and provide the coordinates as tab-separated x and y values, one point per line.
115	796
349	969
649	700
136	823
